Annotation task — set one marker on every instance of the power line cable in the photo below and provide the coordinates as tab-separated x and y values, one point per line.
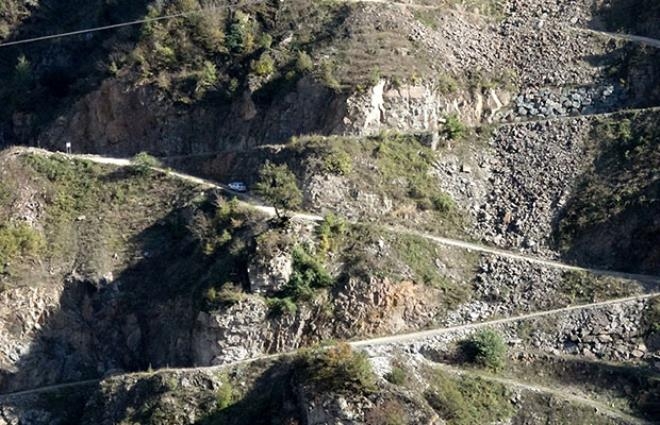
120	25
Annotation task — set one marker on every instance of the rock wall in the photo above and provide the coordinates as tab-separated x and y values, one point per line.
121	120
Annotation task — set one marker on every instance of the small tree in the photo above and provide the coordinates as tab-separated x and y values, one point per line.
143	163
487	349
278	185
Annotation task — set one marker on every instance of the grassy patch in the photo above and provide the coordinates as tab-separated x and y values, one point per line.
19	240
428	17
421	256
623	175
77	192
616	196
652	316
397	376
465	400
582	287
394	166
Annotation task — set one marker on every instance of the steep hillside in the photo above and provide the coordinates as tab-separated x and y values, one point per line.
466	226
228	79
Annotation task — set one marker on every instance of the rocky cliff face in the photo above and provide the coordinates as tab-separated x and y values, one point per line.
480	71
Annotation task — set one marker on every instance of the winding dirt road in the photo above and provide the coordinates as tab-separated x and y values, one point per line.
362	344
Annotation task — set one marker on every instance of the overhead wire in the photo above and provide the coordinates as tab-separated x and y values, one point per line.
119	25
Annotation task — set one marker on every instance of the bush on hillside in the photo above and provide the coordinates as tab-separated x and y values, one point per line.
278	185
143	163
337	369
486	348
18	240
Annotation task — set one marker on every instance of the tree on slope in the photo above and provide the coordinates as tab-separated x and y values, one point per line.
278	186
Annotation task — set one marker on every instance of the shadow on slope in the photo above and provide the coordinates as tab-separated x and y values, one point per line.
612	219
637	384
638	17
141	318
171	87
39	80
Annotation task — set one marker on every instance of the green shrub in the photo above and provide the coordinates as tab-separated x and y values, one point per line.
337	162
337	369
224	396
308	274
442	202
19	240
446	84
22	72
265	41
281	306
397	376
143	163
486	348
330	232
278	185
207	77
304	63
208	32
454	129
264	66
211	295
240	37
328	75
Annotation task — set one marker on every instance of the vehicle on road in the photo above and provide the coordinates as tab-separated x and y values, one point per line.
237	186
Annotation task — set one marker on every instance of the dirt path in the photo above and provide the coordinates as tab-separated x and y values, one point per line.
560	393
456	243
372	342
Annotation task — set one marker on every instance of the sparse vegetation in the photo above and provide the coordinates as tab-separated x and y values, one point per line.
465	400
18	240
397	376
390	412
336	369
420	255
582	287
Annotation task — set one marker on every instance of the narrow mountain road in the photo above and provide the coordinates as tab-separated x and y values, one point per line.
560	393
651	42
362	344
254	203
422	335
